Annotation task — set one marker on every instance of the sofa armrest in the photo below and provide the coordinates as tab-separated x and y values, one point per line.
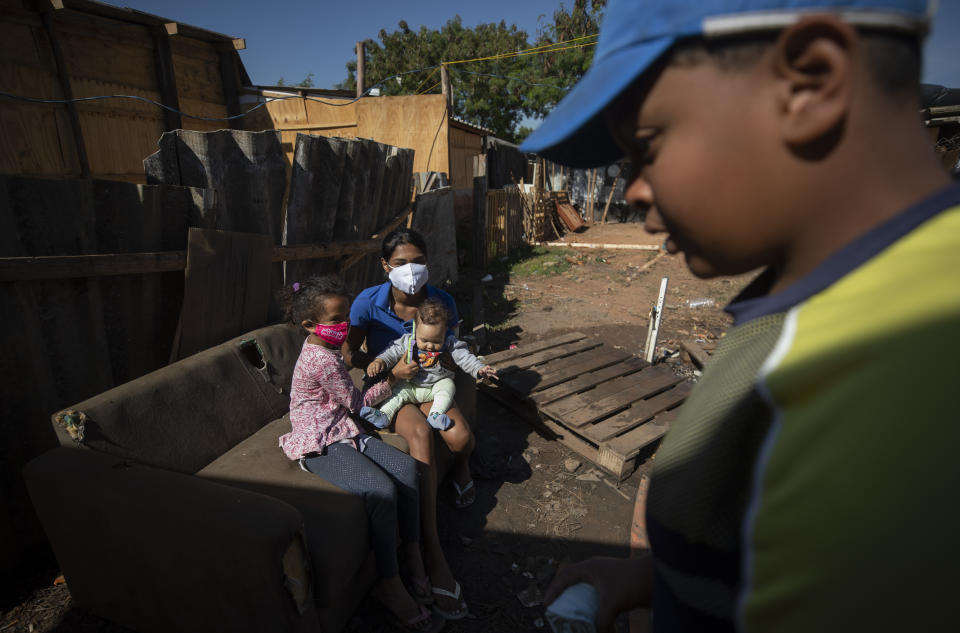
161	551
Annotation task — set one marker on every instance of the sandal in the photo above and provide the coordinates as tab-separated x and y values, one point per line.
462	500
424	622
421	590
457	595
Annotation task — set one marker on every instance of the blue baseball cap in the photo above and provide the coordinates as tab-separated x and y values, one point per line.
636	33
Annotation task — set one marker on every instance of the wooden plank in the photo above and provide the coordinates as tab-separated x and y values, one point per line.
564	369
226	290
697	354
77	266
629	444
558	351
621	459
571	219
434	219
231	91
586	381
581	409
637	414
571	440
166	79
63	73
498	358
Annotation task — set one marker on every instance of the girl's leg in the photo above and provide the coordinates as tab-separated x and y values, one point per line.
402	469
343	466
412	425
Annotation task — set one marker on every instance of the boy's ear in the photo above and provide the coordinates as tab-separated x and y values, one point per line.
308	325
814	64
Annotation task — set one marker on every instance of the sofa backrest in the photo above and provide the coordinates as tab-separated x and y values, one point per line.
185	415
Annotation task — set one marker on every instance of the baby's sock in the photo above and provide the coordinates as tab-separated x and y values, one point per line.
377	418
439	421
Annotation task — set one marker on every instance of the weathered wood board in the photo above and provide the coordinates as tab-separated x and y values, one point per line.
604	403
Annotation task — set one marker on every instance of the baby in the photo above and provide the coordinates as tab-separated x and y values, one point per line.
432	382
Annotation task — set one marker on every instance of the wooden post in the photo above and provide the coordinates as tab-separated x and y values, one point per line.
480	213
231	92
166	79
361	67
63	74
445	87
656	315
606	207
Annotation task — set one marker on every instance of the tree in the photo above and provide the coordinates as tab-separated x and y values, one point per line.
492	93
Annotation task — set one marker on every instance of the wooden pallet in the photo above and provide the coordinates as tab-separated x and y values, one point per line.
604	403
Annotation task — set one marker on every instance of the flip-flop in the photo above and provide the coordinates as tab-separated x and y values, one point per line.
423	622
460	502
457	595
421	589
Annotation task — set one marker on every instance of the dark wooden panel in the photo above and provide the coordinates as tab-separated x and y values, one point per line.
588	380
226	290
498	359
560	351
636	415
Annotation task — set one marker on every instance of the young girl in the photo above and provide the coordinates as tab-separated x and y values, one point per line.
326	411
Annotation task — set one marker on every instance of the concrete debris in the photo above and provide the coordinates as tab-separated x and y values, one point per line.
572	464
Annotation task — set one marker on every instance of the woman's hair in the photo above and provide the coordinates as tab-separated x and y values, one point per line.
433	312
401	236
301	300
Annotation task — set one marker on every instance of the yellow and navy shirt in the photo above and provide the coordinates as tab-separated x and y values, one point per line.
812	479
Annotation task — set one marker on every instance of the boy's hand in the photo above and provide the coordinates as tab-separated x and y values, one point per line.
376	367
486	372
621	584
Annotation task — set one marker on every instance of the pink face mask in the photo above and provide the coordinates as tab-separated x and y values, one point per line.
335	334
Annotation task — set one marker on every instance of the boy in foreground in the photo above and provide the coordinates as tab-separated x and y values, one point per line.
810	482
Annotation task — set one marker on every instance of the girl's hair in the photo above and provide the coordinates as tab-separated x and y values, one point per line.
433	312
300	300
401	236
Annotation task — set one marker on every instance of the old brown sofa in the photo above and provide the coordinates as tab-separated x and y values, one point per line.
177	511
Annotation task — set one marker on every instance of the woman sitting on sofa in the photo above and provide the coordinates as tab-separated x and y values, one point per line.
380	315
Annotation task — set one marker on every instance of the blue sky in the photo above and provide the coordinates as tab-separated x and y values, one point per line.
293	38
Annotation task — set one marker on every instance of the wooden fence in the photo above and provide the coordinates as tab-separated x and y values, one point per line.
79	48
505	222
92	285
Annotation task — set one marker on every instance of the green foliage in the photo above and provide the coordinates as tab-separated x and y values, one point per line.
307	81
492	93
280	82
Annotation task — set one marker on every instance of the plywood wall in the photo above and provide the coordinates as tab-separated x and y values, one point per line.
101	56
36	138
464	146
417	122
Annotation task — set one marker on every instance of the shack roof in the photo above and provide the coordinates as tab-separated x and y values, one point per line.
173	27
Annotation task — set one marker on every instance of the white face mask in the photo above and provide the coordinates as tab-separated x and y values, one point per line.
409	278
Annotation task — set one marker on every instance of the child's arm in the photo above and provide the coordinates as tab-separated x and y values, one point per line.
388	357
466	361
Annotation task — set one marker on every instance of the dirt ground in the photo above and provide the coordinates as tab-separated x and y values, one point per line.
538	503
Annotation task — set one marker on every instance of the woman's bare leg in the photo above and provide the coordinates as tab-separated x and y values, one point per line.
459	439
412	425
